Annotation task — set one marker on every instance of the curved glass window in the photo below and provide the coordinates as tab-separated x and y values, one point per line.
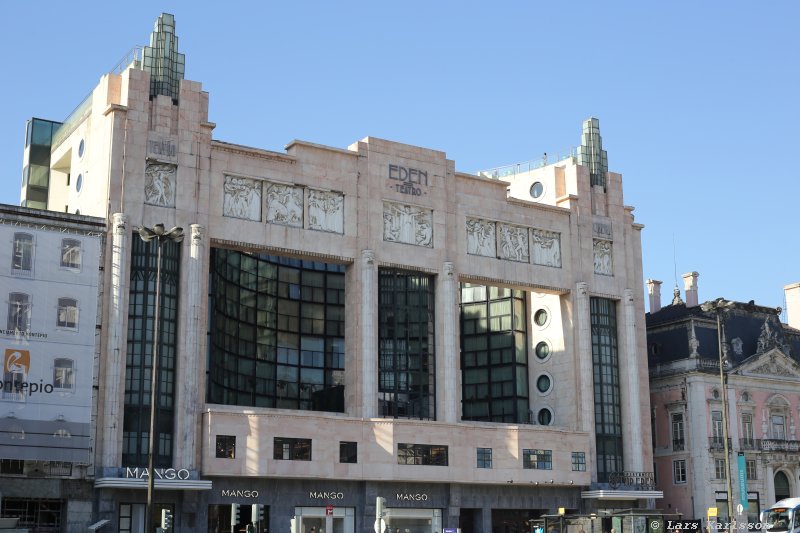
540	317
79	183
537	189
276	332
81	147
545	417
542	350
543	383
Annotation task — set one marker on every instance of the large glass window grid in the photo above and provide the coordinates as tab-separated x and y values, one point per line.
484	458
494	358
422	454
19	312
43	515
537	459
406	363
276	332
579	461
291	449
141	315
22	258
607	411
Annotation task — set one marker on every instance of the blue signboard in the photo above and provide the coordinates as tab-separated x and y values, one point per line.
742	481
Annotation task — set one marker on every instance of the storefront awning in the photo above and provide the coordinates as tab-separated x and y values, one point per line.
160	484
621	494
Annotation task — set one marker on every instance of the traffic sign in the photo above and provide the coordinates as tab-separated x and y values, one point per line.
380	525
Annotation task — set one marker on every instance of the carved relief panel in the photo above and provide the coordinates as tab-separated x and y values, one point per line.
513	243
326	211
407	224
481	237
546	248
242	198
285	205
159	184
603	258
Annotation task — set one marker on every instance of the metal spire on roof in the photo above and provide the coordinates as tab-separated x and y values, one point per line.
162	60
591	153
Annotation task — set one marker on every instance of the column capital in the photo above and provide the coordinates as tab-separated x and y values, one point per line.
119	223
582	287
448	267
368	257
198	233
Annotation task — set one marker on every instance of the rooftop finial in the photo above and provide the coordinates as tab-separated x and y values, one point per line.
591	153
677	299
162	60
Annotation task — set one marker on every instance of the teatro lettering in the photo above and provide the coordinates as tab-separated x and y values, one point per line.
315	495
240	493
409	178
409	497
161	473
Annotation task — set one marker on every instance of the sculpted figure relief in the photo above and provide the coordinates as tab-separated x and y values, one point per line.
407	224
481	237
285	205
514	243
242	198
159	188
326	211
546	248
603	258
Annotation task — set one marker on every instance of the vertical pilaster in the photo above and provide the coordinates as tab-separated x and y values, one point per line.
369	341
769	482
189	353
449	394
633	394
116	342
583	332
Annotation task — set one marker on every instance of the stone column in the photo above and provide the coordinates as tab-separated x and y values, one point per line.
633	394
449	297
582	325
116	347
769	483
189	355
369	332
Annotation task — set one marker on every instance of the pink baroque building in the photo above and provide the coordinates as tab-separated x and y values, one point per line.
758	388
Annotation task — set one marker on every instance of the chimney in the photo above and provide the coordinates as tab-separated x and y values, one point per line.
690	288
654	291
792	295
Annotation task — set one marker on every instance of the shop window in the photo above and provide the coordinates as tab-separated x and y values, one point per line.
537	459
484	457
22	258
35	514
679	471
348	452
19	312
64	374
579	461
292	449
67	313
226	446
422	454
71	253
12	467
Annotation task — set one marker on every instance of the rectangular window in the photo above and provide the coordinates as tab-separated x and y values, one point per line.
348	452
719	469
22	258
678	441
292	449
484	457
679	471
19	312
752	473
64	374
579	461
716	426
67	313
12	466
71	253
422	454
226	446
778	427
537	459
747	431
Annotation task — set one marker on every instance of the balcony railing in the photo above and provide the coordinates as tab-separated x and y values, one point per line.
678	445
632	480
749	444
718	443
778	445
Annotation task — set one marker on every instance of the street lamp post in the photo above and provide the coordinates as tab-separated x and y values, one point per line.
719	305
160	235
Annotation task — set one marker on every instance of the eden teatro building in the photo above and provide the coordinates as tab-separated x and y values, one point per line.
341	325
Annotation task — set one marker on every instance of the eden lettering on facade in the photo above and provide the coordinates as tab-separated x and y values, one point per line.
409	177
161	473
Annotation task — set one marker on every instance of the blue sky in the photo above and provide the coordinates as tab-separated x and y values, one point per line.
697	101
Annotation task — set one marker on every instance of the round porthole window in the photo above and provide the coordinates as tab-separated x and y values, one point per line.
537	189
542	350
545	417
79	183
543	383
81	146
540	317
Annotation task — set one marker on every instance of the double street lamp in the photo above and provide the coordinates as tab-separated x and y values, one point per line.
718	306
158	234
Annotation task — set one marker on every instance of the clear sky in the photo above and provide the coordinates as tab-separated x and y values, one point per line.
697	101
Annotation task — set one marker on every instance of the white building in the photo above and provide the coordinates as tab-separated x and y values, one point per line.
346	324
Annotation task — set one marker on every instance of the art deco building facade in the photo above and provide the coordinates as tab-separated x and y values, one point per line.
758	389
346	324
